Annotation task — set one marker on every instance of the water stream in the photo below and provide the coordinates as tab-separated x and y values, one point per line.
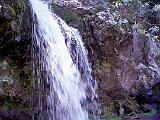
62	74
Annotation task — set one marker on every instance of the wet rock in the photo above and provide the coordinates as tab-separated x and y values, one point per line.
14	114
15	39
124	57
125	60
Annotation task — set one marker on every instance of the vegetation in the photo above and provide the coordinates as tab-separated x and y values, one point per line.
108	32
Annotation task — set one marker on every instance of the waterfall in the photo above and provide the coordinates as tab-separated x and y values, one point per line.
62	74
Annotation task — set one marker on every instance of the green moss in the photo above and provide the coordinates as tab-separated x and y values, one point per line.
15	70
11	10
151	113
105	65
102	67
111	118
108	110
11	105
132	105
24	80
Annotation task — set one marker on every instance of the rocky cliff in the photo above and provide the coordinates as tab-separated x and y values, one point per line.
15	69
124	52
122	38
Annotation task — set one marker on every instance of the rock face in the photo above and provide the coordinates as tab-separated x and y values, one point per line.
123	46
125	64
124	54
15	68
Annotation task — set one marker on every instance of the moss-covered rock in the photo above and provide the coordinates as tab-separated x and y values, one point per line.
120	51
15	78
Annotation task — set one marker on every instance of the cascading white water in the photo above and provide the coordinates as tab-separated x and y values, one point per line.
58	82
